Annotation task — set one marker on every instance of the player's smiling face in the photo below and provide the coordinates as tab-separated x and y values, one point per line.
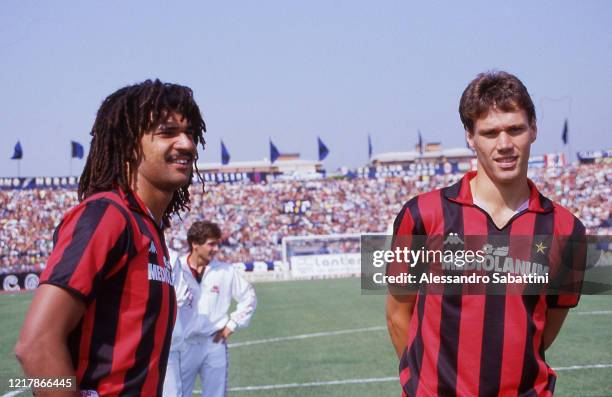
205	253
168	153
502	142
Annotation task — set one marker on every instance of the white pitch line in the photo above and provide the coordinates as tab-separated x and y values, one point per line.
328	383
343	381
594	312
14	393
372	380
354	330
306	336
348	381
573	367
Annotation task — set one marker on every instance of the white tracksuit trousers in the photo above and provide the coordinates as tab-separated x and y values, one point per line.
205	358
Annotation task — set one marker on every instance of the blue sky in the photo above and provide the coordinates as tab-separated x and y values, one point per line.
295	70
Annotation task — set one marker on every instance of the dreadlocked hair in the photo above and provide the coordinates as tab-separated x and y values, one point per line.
121	121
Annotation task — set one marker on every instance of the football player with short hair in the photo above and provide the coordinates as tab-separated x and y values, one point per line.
205	290
483	344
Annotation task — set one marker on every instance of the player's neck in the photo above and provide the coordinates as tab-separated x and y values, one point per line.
155	199
199	265
499	196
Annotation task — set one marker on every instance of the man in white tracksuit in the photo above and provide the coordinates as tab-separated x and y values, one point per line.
205	289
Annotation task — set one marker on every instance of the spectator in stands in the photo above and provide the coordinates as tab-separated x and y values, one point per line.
28	217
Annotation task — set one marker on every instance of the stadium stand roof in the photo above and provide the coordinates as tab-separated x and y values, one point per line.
279	166
414	156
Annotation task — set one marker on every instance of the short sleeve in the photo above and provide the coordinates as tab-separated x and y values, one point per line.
568	278
405	227
92	240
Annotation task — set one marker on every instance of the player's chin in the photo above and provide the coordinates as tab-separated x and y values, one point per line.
172	186
179	180
507	176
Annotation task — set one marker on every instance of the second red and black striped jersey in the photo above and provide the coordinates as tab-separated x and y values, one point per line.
482	344
109	252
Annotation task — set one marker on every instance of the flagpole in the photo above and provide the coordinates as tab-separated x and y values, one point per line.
567	99
70	174
19	168
569	150
569	141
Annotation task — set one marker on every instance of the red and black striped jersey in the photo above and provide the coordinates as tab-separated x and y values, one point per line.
109	252
480	344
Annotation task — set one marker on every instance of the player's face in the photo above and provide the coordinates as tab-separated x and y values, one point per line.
168	153
207	251
502	141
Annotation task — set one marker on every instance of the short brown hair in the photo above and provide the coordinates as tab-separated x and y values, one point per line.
201	231
494	89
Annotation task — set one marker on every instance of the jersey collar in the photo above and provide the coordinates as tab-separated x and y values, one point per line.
134	202
461	193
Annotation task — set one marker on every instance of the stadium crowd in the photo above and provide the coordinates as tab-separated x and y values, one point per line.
256	216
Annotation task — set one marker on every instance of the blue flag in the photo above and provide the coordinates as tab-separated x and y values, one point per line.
323	150
420	143
369	147
77	150
564	135
225	156
274	153
17	152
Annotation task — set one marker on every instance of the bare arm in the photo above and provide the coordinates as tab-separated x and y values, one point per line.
554	321
399	313
42	348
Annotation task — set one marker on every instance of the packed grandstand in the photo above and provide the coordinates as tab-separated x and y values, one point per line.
256	216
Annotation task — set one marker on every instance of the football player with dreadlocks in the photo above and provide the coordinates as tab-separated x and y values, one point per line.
106	305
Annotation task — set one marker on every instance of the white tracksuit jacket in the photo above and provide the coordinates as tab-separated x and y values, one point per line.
203	308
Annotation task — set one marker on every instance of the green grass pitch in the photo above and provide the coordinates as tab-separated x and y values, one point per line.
287	309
